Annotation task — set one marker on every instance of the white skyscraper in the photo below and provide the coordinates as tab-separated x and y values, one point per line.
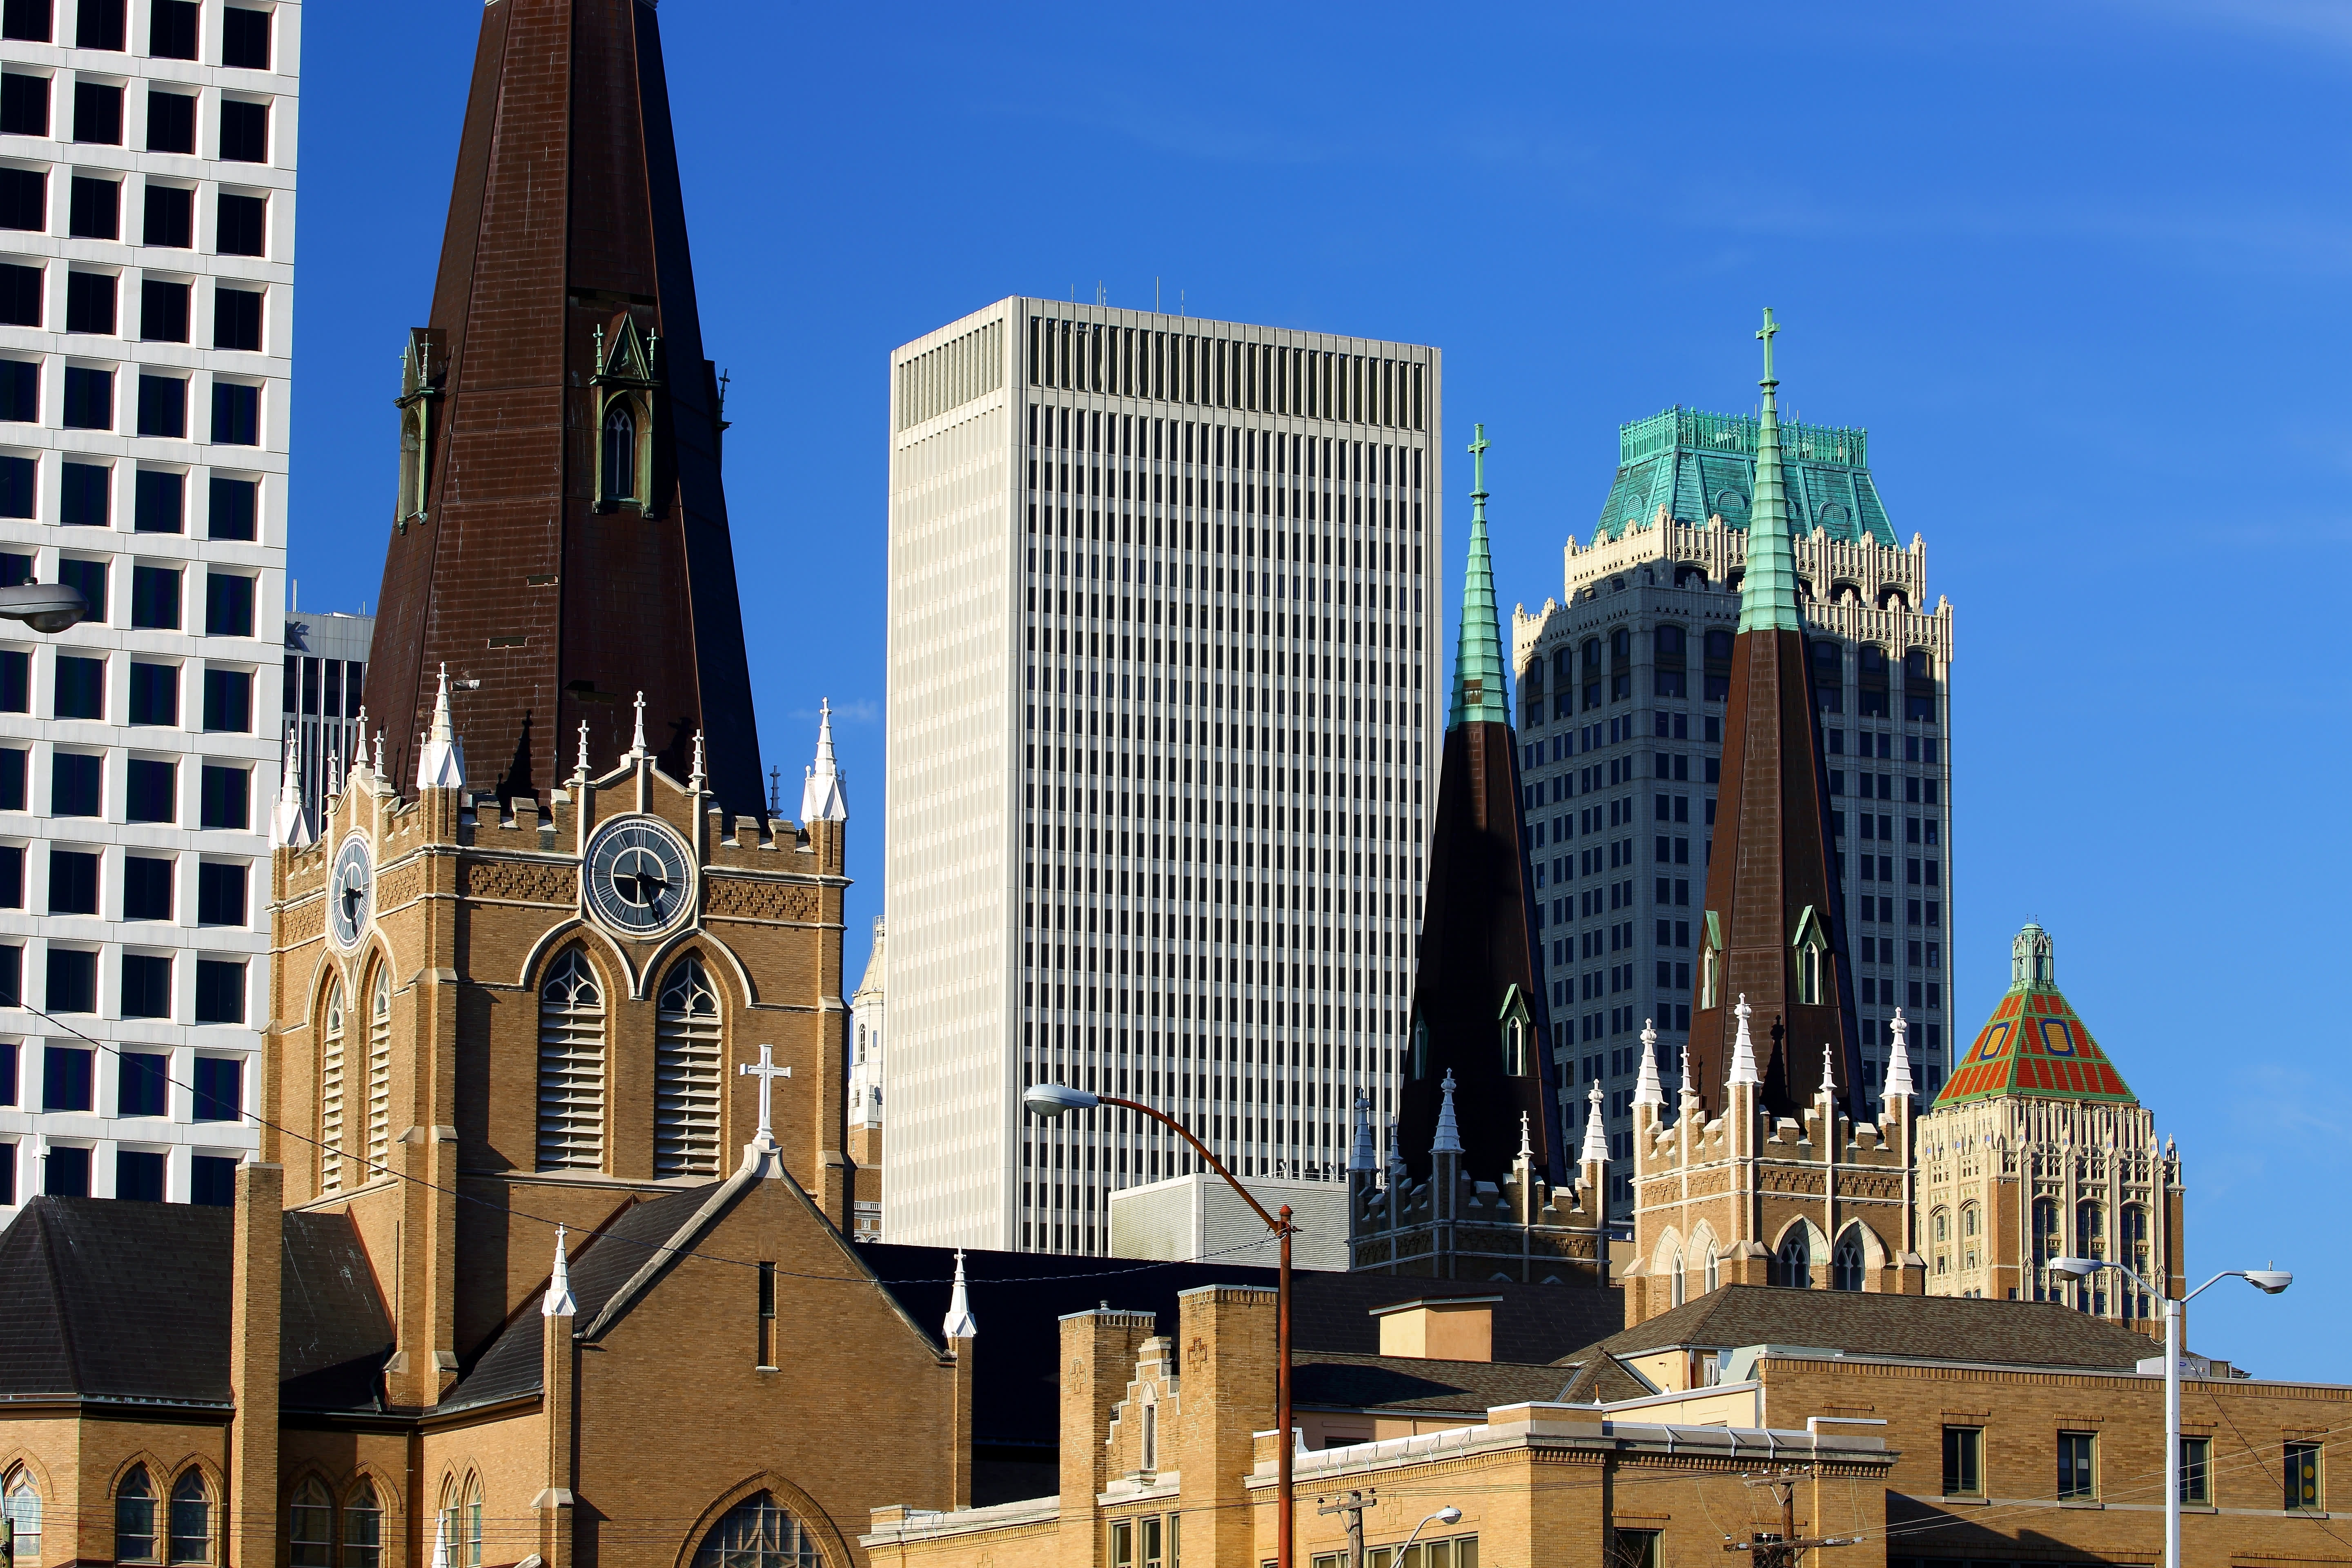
147	155
1165	650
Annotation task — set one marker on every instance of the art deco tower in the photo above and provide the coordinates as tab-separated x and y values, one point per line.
1773	931
1478	1015
561	539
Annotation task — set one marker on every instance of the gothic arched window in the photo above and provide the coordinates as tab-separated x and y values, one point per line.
21	1501
686	1073
1714	1266
363	1528
571	1066
1679	1289
1515	1048
330	1092
759	1533
192	1518
379	1074
310	1528
2047	1245
1794	1261
619	468
134	1518
2136	1257
1845	1261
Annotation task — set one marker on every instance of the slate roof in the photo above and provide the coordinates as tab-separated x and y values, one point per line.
107	1299
1020	1298
1909	1328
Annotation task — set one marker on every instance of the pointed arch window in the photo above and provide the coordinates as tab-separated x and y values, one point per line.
1792	1265
1714	1266
619	465
363	1528
686	1073
759	1533
310	1528
1812	944
134	1516
22	1503
192	1518
571	1066
1680	1292
2047	1244
379	1075
461	1525
330	1092
1845	1261
1517	1026
2136	1257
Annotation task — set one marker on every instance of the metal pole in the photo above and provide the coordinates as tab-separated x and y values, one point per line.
1282	1499
2172	1433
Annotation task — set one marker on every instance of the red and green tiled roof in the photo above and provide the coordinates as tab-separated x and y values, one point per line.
2036	1046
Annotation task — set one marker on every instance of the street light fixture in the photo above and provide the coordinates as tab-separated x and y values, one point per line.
2269	1282
1448	1515
1051	1100
46	606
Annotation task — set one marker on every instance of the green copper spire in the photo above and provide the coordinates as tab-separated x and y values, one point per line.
1478	695
1768	593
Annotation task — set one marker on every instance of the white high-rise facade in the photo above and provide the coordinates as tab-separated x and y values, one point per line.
1166	640
147	156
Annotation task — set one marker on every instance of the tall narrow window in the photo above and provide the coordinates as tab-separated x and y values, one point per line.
331	1093
379	1074
1963	1461
1845	1261
2078	1479
2197	1470
1679	1279
310	1528
192	1518
134	1518
2302	1489
1795	1261
686	1073
620	464
1714	1266
767	1314
363	1528
571	1067
22	1503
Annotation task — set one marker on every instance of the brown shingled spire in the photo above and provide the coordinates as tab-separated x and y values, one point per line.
560	535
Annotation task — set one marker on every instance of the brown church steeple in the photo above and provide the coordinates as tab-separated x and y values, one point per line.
561	538
1775	925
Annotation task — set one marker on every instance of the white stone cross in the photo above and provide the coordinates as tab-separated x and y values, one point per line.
767	1072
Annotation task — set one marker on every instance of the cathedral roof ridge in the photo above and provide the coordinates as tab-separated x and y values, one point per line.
2035	1045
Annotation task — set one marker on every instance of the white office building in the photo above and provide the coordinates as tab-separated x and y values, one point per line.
1165	651
147	156
322	693
1622	685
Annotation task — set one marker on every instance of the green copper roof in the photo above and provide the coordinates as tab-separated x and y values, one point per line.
1478	694
1768	593
1699	466
2034	1045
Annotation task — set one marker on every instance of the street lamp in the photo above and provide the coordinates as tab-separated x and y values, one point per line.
46	606
1050	1100
2269	1282
1448	1515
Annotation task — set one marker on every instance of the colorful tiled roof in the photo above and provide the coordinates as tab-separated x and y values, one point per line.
1699	465
2034	1044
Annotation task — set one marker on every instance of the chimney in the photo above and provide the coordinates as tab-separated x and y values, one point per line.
1440	1327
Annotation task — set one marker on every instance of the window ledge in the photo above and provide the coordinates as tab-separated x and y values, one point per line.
1971	1501
2082	1503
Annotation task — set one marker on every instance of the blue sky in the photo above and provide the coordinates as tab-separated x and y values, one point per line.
2080	269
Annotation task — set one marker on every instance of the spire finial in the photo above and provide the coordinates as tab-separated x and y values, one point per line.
290	827
1898	1061
580	768
1768	593
1527	1149
1449	1132
960	1324
822	799
695	781
1743	1049
1829	1072
1647	1089
1596	1134
638	740
1478	667
442	762
558	1302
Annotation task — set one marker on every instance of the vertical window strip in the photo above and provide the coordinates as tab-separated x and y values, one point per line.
331	1096
378	1077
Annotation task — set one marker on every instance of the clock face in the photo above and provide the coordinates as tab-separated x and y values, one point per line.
640	878
351	893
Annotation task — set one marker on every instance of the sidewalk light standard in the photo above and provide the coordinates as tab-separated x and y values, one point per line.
2269	1282
46	606
1049	1101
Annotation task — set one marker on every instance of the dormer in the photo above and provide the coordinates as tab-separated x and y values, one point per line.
625	384
424	369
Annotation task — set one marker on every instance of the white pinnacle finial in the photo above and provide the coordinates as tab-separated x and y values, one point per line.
1648	1089
1829	1072
638	741
960	1324
334	773
822	799
379	754
442	764
1449	1132
289	826
695	783
1360	1157
1898	1061
1527	1149
580	768
1743	1049
1596	1137
441	1538
558	1303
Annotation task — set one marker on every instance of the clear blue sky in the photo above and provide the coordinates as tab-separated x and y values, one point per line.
2080	269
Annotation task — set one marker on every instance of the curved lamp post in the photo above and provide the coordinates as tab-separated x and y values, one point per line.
1448	1515
1051	1100
2269	1282
45	606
